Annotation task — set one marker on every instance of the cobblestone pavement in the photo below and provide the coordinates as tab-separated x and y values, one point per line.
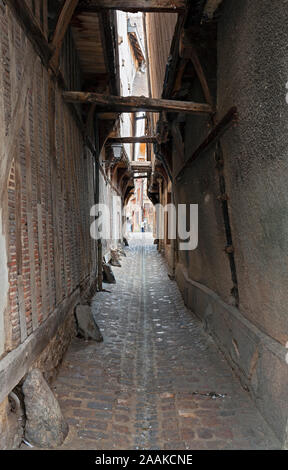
158	380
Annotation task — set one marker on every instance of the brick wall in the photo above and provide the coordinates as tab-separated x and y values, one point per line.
48	193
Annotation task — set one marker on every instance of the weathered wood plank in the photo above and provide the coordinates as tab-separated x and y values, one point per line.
30	228
109	47
22	313
201	75
169	6
61	29
141	167
178	141
132	104
55	182
188	51
172	66
179	77
132	140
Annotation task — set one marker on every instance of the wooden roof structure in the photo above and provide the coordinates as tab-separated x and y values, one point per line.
93	25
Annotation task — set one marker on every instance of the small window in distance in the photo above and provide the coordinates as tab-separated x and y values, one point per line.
142	150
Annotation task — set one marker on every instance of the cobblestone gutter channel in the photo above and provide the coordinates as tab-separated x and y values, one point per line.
146	407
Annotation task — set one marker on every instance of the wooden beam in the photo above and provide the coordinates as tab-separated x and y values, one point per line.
178	141
29	24
141	167
179	76
132	140
131	104
201	75
15	365
54	179
172	66
133	6
107	116
141	164
61	29
187	50
109	47
224	124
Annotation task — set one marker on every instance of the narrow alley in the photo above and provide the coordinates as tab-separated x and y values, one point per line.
158	381
143	225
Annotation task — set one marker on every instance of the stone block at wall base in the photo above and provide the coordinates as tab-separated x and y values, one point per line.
258	360
50	359
43	349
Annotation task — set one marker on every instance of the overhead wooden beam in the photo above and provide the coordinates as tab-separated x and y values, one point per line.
141	164
134	104
61	29
224	124
141	170
133	140
33	31
141	167
169	6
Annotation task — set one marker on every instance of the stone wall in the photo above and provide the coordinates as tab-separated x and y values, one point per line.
252	74
252	51
12	418
257	359
49	188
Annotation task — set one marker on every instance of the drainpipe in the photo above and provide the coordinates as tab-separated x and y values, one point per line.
97	201
160	157
161	228
147	54
174	241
